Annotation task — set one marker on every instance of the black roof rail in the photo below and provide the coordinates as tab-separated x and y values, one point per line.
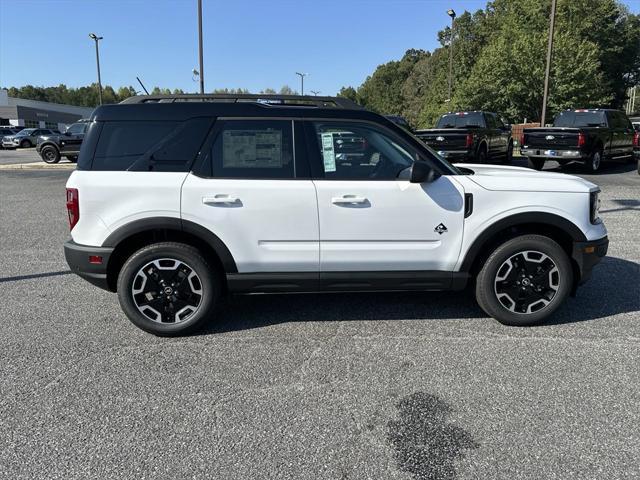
266	99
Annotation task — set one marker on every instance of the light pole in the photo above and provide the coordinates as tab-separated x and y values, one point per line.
452	14
548	67
315	92
302	75
201	72
96	38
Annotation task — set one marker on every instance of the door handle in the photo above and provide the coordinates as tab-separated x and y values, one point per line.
218	199
348	199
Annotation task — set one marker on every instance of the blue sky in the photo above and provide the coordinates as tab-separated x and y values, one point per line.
247	43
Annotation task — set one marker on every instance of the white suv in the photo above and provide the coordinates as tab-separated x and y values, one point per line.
176	202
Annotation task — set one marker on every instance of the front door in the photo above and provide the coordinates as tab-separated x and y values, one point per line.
254	198
371	217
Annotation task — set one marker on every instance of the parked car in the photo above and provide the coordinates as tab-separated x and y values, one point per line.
6	130
175	202
67	144
589	136
26	138
477	137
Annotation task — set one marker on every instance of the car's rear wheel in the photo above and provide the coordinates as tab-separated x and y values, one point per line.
594	162
50	154
536	163
482	156
168	289
524	280
26	144
509	158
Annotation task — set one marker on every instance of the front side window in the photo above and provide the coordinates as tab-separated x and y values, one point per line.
77	128
359	151
253	149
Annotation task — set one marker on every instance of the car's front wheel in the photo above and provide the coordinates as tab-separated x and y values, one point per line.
524	280
168	289
50	154
25	144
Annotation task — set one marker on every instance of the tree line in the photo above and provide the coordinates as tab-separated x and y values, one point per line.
88	96
499	56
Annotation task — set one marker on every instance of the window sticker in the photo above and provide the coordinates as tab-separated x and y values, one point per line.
328	153
252	149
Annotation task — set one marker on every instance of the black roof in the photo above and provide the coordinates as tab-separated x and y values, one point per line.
182	107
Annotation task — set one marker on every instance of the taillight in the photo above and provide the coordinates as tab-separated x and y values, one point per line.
73	207
522	139
636	139
469	142
581	139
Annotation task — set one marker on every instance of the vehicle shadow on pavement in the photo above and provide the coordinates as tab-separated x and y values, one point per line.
612	290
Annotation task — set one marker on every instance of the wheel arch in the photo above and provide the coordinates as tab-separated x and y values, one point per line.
563	231
135	235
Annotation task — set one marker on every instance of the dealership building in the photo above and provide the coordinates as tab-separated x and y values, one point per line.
32	113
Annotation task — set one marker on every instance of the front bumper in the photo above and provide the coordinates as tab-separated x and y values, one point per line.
10	144
587	255
78	258
553	154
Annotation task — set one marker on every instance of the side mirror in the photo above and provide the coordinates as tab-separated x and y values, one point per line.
421	172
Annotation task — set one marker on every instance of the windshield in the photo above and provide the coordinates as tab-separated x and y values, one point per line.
580	119
26	132
461	120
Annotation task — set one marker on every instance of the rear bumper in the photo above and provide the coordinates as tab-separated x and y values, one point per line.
553	154
587	255
454	155
78	258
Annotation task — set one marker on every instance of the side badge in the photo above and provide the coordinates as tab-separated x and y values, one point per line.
440	229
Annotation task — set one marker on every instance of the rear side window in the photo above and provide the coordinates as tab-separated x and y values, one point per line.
150	145
253	149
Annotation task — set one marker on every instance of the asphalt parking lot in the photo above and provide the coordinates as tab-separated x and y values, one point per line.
345	386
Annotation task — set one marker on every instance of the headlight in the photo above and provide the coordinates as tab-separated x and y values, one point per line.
594	206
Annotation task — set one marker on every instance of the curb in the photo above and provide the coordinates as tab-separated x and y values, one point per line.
38	166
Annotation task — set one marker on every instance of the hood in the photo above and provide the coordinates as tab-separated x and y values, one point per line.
520	179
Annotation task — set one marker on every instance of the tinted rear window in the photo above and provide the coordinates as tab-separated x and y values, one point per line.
150	145
580	119
461	120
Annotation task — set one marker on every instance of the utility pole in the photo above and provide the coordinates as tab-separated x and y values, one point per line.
96	38
452	14
201	72
302	75
548	67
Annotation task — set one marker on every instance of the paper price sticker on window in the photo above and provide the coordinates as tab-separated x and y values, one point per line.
328	154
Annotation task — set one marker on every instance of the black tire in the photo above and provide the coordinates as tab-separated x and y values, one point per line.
50	154
72	158
26	144
536	163
482	156
505	272
594	162
509	158
164	288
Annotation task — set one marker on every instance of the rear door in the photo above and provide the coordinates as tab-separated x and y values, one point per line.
254	192
626	135
497	144
371	217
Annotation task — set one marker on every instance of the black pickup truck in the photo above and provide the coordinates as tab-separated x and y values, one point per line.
52	147
476	137
590	136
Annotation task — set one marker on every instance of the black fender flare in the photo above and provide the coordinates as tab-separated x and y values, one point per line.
177	224
526	218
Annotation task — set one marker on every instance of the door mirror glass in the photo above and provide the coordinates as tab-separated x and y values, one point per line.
421	172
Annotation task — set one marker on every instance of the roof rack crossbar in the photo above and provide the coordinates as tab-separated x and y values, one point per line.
265	99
